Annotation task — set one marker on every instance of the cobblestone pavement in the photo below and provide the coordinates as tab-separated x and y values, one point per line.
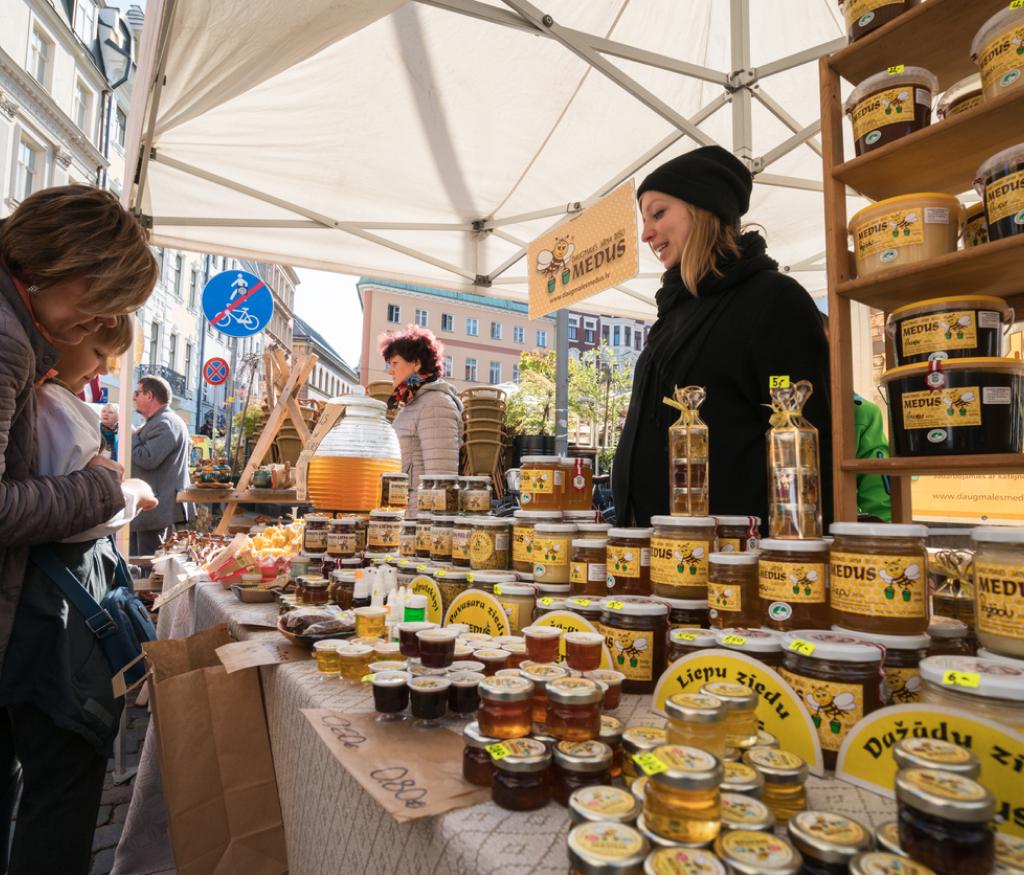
114	805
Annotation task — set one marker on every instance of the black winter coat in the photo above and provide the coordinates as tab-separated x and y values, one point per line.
741	328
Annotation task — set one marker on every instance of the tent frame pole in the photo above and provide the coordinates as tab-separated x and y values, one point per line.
787	146
777	110
739	47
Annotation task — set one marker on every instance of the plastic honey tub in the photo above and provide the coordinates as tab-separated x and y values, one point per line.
957	406
905	230
864	16
1000	182
960	97
998	50
975	225
890	105
962	326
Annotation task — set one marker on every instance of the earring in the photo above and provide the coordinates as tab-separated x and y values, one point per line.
33	290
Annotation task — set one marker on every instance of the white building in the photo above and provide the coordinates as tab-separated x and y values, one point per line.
332	375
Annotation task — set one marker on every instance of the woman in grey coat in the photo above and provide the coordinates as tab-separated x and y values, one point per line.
429	420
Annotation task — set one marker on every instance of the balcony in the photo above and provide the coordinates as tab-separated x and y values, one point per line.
178	382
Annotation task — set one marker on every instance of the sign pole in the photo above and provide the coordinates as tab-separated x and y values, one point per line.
562	382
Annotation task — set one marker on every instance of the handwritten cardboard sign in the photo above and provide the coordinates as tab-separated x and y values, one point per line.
261	650
412	773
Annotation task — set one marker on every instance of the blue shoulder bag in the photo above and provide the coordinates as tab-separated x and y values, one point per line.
120	622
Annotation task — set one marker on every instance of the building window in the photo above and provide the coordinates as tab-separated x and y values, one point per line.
472	329
515	373
447	322
589	326
637	337
421	318
495	331
40	49
81	106
471	370
574	328
519	334
447	371
85	21
604	334
495	373
175	277
542	339
193	289
172	351
154	342
188	360
616	336
29	161
628	336
120	127
394	313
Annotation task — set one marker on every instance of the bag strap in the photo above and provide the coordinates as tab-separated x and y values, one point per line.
122	576
97	618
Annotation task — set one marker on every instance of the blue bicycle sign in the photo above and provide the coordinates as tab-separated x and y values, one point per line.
238	303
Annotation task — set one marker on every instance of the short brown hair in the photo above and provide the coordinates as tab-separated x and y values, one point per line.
158	387
414	344
77	232
710	240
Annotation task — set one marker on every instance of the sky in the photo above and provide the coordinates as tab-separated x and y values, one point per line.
329	303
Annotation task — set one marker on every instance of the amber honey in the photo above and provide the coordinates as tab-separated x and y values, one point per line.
343	483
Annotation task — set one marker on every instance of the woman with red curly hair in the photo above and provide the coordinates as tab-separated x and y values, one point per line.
429	420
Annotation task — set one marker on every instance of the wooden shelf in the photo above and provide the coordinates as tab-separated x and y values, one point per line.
248	496
994	463
991	269
935	35
206	496
941	157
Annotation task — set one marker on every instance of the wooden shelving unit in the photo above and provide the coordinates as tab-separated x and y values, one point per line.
247	496
943	157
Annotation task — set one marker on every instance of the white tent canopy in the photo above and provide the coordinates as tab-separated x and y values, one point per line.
429	141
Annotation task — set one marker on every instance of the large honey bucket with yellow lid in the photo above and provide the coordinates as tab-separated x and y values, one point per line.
998	50
904	230
956	407
962	326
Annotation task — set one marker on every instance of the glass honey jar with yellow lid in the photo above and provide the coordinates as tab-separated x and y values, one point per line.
785	775
752	852
740	703
828	841
577	764
683	802
606	849
680	547
696	720
603	804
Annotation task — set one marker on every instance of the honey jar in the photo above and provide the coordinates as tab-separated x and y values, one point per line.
518	600
441	529
394	490
635	631
683	861
734	534
407	539
384	531
577	764
588	572
612	849
578	480
628	558
903	655
611	734
524	522
612	681
542	483
784	776
733	598
505	710
740	703
680	547
742	779
540	674
602	804
683	642
748	852
828	841
446	494
314	535
424	535
878	577
425	493
885	863
986	688
573	708
934	753
451	582
998	573
489	543
475	495
686	613
520	781
477	765
792	584
639	740
327	662
696	720
550	551
588	607
342	538
745	812
764	645
462	531
682	802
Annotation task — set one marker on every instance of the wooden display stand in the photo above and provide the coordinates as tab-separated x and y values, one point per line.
283	383
942	157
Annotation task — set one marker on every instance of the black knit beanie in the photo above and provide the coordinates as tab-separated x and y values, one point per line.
709	177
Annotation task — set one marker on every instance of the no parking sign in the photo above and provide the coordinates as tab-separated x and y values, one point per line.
215	371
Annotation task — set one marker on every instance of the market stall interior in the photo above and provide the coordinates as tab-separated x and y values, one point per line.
688	691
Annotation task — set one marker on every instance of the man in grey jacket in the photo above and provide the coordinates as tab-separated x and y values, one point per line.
160	454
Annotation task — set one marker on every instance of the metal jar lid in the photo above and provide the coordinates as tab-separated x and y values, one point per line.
748	852
777	766
659	841
766	739
828	837
945	794
735	697
888	837
884	863
541	673
688	768
582	756
682	861
694	708
523	755
606	849
745	812
603	804
611	730
1009	854
473	737
638	739
574	691
741	778
933	753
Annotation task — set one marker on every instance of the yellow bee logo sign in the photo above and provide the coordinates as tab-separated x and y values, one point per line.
959	403
903	691
630	650
556	260
824	706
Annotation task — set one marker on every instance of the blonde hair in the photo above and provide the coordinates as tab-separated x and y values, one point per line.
76	232
119	337
711	239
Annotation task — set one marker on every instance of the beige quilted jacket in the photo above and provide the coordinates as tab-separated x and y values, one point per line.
430	431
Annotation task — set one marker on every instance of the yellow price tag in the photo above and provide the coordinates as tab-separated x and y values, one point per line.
779	381
650	764
498	751
800	646
685	636
581	602
422	568
470	578
895	69
366	678
734	639
951	678
388	557
546	601
497	589
615	606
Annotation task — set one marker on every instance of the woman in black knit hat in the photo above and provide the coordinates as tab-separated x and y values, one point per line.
728	320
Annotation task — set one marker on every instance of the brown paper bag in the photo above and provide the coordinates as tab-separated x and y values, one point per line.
218	775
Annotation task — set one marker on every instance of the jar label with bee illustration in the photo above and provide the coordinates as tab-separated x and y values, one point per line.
549	551
424	539
938	332
892	106
889	231
342	543
1005	196
834	707
538	480
902	685
725	596
623	561
632	652
945	408
460	543
1000	598
679	563
588	572
384	536
1000	58
856	9
802	582
878	585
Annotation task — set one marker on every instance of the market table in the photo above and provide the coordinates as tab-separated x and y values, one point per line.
333	824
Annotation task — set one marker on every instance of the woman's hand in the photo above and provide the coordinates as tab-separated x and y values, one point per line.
144	497
102	462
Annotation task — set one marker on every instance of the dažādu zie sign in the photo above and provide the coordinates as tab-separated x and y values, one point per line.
779	710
